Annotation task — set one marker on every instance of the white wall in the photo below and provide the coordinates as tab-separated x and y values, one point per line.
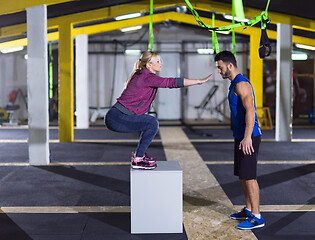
168	100
200	66
13	77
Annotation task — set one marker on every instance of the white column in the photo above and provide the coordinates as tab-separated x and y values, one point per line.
284	83
81	81
37	85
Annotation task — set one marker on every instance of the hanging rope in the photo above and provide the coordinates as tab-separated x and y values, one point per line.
151	41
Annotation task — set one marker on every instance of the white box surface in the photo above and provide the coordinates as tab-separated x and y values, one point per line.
157	199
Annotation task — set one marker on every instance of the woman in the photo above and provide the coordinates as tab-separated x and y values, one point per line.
128	113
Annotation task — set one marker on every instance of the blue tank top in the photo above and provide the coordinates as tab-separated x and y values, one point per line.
238	111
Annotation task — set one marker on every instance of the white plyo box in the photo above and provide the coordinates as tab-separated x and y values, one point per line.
157	199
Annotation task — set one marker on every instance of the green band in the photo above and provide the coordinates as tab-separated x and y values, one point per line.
215	43
151	42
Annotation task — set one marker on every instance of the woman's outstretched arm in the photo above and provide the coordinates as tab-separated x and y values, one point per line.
191	82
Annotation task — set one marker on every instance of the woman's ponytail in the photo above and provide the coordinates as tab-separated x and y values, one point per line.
136	68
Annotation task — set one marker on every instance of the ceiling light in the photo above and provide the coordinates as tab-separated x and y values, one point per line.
127	16
133	28
12	49
205	51
298	56
230	17
223	32
132	51
298	45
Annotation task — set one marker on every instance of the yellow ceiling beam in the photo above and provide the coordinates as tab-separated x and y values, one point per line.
87	16
143	6
12	6
23	41
178	17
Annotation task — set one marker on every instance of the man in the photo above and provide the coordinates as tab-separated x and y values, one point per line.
247	137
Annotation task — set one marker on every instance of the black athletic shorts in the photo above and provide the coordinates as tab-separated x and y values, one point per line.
245	166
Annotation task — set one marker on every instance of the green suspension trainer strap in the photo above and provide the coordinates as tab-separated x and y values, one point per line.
215	43
51	79
150	47
239	16
264	46
263	18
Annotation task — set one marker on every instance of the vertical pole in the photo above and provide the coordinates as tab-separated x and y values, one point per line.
66	133
256	67
81	78
284	83
37	85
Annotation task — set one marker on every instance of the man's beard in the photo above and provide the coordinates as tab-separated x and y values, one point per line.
227	74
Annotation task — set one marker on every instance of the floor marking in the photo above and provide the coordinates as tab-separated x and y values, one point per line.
303	140
111	140
63	209
212	140
14	127
230	140
24	141
137	140
206	206
13	164
283	208
267	162
126	209
88	163
19	164
209	127
13	140
81	141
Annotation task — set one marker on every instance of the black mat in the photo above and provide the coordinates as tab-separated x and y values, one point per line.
89	226
207	133
287	225
14	152
279	184
307	132
268	151
13	133
100	152
91	133
81	152
65	186
195	132
99	133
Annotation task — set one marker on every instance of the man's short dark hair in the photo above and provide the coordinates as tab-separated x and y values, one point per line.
226	57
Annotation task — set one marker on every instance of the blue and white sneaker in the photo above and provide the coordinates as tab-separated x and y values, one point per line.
242	215
251	223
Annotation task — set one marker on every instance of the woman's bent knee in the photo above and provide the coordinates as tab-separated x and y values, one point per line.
155	125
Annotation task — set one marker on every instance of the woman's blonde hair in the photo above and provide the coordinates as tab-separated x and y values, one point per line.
141	63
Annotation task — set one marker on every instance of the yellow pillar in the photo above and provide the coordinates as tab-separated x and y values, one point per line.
66	82
256	67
